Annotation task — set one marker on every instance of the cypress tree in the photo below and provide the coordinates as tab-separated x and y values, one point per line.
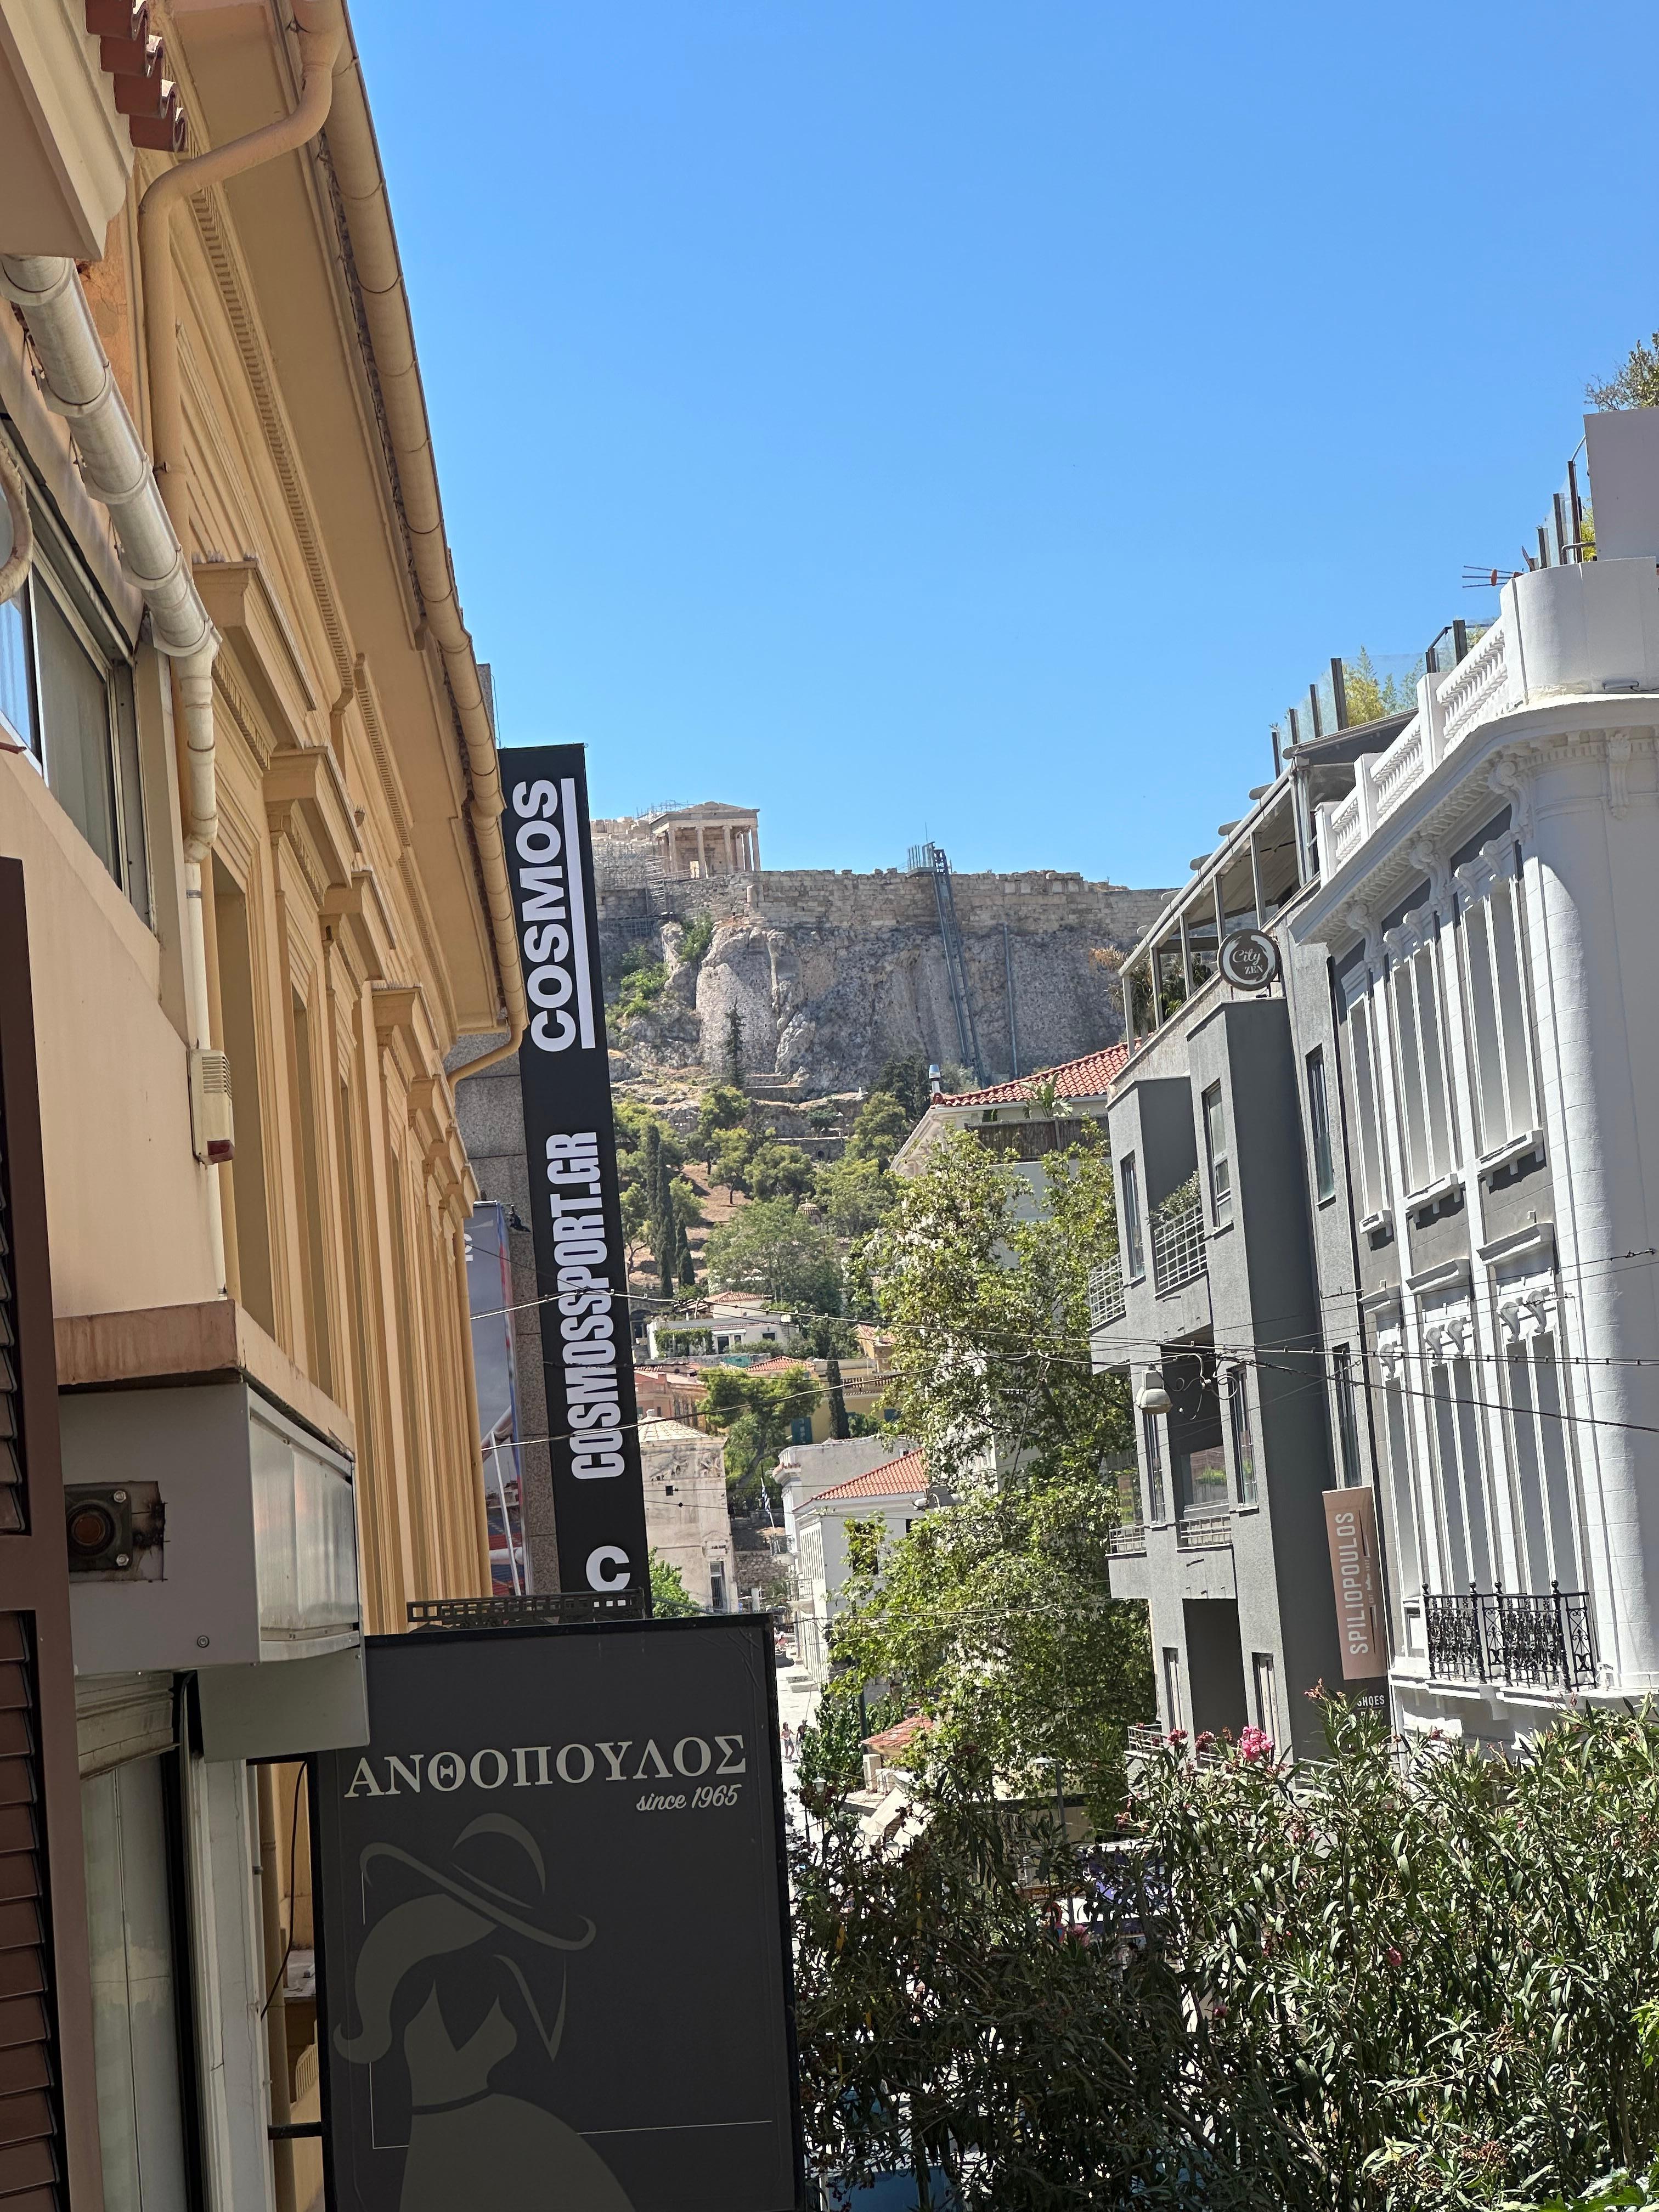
668	1225
839	1424
734	1048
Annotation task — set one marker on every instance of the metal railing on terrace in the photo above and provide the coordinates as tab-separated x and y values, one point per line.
1208	1531
1127	1537
1524	1639
1106	1293
1178	1255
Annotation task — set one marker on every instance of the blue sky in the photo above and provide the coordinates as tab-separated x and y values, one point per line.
936	416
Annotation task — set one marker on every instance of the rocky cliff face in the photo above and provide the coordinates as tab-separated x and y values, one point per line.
833	974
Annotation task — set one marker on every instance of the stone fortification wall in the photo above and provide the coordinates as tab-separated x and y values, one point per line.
832	973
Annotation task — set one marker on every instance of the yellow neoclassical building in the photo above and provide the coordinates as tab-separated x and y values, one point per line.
248	783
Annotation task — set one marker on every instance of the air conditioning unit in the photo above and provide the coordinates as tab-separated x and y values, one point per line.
212	1123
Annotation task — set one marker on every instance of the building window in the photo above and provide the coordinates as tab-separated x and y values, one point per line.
1461	1493
1407	1576
716	1587
134	1997
1362	1077
1347	1425
67	701
1425	1125
1154	1441
1499	1052
1238	1420
1264	1688
1135	1249
1543	1465
1174	1712
1319	1128
1215	1143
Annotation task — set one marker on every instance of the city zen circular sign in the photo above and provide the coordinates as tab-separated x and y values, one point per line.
1250	960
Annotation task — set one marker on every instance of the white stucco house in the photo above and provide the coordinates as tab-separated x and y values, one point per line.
1490	904
893	1493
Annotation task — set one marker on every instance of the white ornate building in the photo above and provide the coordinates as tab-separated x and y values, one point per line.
1489	902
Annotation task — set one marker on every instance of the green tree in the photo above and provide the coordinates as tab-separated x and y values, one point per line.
723	1107
695	941
670	1598
1634	383
1370	697
642	982
732	1155
996	1613
989	1311
854	1194
772	1248
732	1070
778	1171
905	1079
754	1412
944	2024
882	1126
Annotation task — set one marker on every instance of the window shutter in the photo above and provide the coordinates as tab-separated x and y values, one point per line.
48	2154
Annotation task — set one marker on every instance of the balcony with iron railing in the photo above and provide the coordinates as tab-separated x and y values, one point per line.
1178	1257
1520	1639
1106	1293
1587	628
1128	1538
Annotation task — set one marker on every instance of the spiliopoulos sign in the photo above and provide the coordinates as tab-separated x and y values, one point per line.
552	1926
581	1276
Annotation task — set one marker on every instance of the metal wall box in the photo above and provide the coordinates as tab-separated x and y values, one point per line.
261	1556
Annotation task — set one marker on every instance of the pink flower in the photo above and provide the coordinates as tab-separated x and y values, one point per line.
1177	1735
1394	1957
1256	1743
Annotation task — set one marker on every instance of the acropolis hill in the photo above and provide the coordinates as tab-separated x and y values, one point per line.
833	973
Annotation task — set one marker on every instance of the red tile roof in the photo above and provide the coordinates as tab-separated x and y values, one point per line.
1091	1077
905	1477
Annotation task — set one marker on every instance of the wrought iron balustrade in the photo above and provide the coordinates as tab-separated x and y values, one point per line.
1178	1257
1524	1639
1205	1532
1106	1293
1456	1653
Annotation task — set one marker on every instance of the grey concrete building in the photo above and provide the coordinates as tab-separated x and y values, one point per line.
1231	1304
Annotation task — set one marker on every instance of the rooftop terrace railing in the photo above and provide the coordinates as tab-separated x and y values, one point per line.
1543	647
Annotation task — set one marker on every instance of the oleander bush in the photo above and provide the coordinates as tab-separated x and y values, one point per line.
1382	1984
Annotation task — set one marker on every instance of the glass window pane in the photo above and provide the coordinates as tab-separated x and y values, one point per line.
1434	1076
1215	1138
1491	1102
1555	1449
1528	1475
1411	1083
1133	1251
135	2004
1512	1021
135	859
1319	1123
1365	1090
74	722
16	689
1402	1495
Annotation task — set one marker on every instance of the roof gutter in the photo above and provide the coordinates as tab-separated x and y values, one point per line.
357	161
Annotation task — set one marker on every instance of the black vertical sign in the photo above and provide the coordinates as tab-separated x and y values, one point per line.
581	1266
